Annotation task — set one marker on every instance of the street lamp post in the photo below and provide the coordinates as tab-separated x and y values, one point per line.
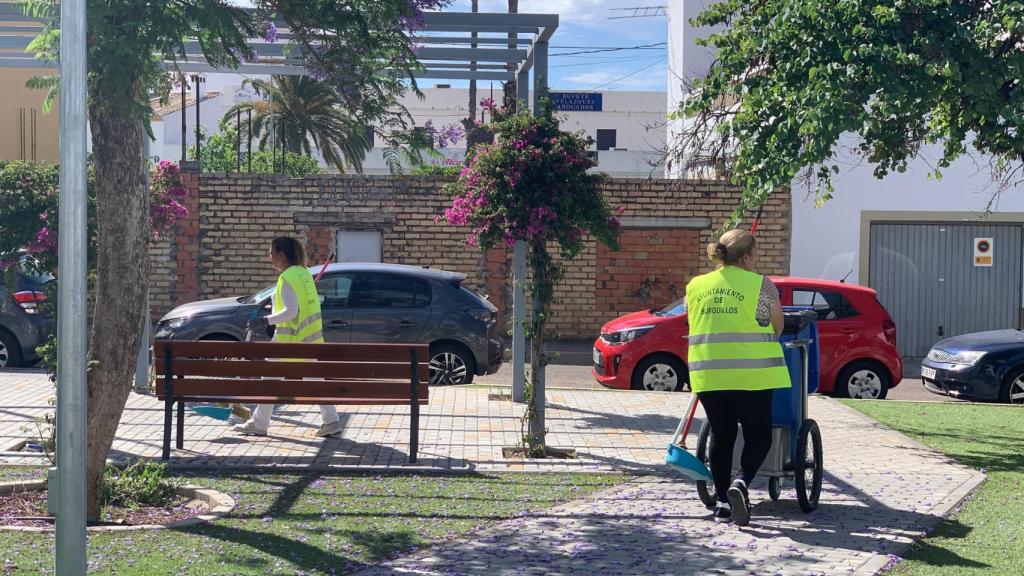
71	375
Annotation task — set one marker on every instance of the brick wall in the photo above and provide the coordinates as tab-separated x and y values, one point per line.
221	249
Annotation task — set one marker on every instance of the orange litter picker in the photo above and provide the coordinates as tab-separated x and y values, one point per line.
678	457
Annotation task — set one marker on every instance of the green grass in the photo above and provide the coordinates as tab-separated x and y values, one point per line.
987	535
312	523
21	473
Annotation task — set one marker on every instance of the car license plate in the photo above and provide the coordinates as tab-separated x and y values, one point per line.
597	357
928	373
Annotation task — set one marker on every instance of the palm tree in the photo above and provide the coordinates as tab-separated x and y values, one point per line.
299	113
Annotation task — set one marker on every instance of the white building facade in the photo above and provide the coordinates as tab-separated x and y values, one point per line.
628	127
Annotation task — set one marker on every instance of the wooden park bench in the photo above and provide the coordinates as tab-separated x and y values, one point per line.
248	373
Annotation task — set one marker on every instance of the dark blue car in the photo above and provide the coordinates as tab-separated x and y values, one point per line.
980	366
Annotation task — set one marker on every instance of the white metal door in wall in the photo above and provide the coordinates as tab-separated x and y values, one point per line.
360	246
929	280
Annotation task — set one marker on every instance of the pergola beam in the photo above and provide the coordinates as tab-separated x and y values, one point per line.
427	40
465	75
472	54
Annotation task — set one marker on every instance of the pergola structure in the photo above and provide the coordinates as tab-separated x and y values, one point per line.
452	45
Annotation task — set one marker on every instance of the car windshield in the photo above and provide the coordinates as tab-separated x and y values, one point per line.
261	295
677	308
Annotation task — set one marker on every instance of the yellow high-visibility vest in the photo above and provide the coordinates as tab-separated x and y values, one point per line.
728	349
308	326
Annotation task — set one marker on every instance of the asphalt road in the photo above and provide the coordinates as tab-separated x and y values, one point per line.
579	377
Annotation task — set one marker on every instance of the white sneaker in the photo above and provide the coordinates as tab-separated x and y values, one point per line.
249	428
329	429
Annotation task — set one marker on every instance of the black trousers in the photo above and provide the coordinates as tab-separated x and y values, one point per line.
725	409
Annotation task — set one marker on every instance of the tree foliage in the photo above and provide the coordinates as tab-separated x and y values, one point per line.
360	47
219	156
793	76
299	114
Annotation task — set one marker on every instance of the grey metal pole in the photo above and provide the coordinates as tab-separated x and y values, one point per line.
518	318
184	118
142	362
540	79
518	283
71	325
540	73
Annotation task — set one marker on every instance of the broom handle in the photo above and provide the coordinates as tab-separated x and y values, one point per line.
691	410
323	268
757	220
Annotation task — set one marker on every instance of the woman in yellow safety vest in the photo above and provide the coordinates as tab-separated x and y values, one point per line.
735	362
296	316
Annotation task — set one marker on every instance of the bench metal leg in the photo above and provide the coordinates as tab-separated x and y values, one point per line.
414	407
181	425
168	402
168	409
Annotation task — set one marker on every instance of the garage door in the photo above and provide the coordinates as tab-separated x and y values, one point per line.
928	278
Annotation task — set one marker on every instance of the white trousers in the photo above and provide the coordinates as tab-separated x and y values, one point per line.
261	416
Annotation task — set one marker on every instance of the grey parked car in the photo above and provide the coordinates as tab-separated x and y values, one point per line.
372	303
24	323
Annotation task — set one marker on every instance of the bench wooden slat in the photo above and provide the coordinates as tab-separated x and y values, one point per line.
336	389
228	367
283	400
258	350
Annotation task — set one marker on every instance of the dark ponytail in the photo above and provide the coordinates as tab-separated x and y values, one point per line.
291	248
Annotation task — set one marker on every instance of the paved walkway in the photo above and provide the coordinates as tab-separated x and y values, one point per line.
881	490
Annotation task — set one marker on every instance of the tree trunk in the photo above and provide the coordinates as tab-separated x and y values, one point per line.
122	267
511	90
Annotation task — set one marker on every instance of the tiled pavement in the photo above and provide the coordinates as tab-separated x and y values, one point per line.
882	489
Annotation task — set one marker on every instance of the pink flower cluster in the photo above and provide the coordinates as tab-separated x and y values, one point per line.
45	239
516	189
166	194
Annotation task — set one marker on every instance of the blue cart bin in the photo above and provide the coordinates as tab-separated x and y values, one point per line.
789	404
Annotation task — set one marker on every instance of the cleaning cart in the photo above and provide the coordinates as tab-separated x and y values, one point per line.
796	440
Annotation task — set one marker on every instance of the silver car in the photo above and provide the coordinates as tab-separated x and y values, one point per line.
372	303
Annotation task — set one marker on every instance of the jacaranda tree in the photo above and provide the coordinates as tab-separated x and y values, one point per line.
361	47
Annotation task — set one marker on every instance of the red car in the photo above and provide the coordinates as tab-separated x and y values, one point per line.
647	350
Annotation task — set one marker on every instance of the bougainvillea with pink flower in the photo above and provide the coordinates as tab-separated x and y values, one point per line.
534	184
166	194
28	209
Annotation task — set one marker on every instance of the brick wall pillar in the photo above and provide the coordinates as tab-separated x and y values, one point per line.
319	244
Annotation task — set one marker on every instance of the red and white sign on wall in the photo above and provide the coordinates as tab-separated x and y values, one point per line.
983	252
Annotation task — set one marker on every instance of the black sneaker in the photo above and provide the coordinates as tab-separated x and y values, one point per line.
740	502
723	512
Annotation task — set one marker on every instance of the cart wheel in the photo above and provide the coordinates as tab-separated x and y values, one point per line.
775	488
706	490
808	468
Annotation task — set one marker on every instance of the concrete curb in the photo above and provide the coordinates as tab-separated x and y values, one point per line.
218	505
